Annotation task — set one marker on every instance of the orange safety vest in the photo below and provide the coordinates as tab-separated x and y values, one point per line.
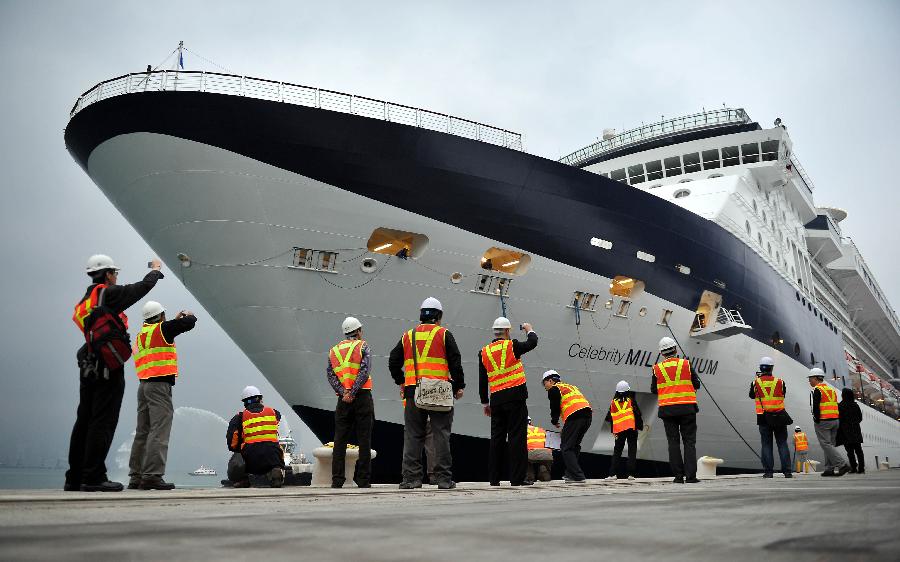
828	405
537	437
622	415
800	443
83	308
259	427
769	392
571	400
431	355
345	359
504	370
673	382
153	355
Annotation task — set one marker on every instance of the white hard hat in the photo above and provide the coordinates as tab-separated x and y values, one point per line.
502	323
548	374
250	392
623	386
99	262
432	302
350	325
151	309
815	372
530	420
766	362
797	428
666	343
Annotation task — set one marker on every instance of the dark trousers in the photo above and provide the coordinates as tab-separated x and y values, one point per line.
359	414
414	420
509	425
855	456
630	436
570	444
682	429
95	424
784	454
256	458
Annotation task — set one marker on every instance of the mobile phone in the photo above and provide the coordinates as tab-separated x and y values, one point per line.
149	265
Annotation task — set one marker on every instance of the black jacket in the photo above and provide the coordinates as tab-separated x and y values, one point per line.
235	434
120	297
849	432
555	397
520	392
676	410
638	418
761	419
454	363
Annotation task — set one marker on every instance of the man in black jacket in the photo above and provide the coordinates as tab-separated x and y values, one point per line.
676	384
501	384
624	423
100	394
568	402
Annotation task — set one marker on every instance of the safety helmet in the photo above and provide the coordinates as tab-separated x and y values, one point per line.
350	325
797	428
502	323
530	421
151	309
99	262
250	392
551	374
623	386
766	362
666	344
432	302
815	372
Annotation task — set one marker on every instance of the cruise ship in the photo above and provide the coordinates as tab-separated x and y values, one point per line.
284	208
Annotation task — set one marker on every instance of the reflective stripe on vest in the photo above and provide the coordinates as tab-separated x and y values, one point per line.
536	437
622	415
345	359
83	309
673	382
153	355
769	392
259	427
800	443
571	400
431	355
503	369
828	405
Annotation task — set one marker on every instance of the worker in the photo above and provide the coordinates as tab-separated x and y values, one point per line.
825	416
349	375
568	402
253	438
849	432
801	450
624	417
436	357
501	384
101	388
768	392
156	365
676	385
540	457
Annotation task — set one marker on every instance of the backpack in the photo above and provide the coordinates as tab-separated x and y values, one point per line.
106	338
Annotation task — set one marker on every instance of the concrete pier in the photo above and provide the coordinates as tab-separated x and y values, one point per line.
730	518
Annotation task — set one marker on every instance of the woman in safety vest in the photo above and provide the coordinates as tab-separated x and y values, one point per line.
625	421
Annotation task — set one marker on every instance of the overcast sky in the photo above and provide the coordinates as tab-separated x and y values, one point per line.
558	72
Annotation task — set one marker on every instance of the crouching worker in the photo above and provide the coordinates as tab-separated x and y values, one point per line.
253	437
540	458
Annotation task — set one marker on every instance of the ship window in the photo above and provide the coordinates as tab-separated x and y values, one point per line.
777	256
683	269
584	301
797	294
400	243
711	176
691	162
682	193
750	152
673	166
318	260
505	261
796	349
711	159
492	285
636	174
608	304
664	321
618	175
685	180
655	185
645	256
755	208
623	308
654	170
730	156
622	286
769	244
601	243
643	311
759	237
747	225
764	217
776	339
812	359
769	150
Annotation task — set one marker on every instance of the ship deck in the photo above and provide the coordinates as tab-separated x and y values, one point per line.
738	517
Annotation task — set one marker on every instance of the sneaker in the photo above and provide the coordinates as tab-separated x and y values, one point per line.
103	487
410	485
156	484
630	477
610	478
678	480
788	475
692	480
843	470
241	484
574	480
276	477
448	485
768	475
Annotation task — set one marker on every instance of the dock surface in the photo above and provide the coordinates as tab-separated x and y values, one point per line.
730	518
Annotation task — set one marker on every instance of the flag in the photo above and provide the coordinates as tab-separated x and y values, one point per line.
181	60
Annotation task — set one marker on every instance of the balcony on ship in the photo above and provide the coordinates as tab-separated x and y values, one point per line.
823	235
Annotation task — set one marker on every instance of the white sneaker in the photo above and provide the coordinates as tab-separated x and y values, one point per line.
610	478
631	477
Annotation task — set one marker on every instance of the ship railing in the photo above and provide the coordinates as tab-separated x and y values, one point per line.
668	127
308	96
801	171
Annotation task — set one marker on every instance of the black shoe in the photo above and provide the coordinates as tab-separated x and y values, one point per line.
103	487
156	484
337	484
410	485
843	470
692	480
446	485
768	475
861	471
134	484
788	475
678	480
852	470
523	483
241	484
829	472
276	477
67	487
495	483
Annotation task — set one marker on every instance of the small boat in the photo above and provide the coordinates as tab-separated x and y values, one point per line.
203	471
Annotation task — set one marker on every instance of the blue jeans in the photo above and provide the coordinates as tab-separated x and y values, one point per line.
780	433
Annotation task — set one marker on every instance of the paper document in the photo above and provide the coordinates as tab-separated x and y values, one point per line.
552	440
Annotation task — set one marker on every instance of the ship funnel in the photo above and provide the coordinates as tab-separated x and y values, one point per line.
608	133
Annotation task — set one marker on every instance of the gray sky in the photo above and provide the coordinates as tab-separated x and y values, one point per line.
557	72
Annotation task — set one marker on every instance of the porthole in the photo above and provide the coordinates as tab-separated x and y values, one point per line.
643	311
456	278
812	359
685	180
796	349
681	193
683	269
797	293
755	210
645	256
747	226
601	243
368	265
